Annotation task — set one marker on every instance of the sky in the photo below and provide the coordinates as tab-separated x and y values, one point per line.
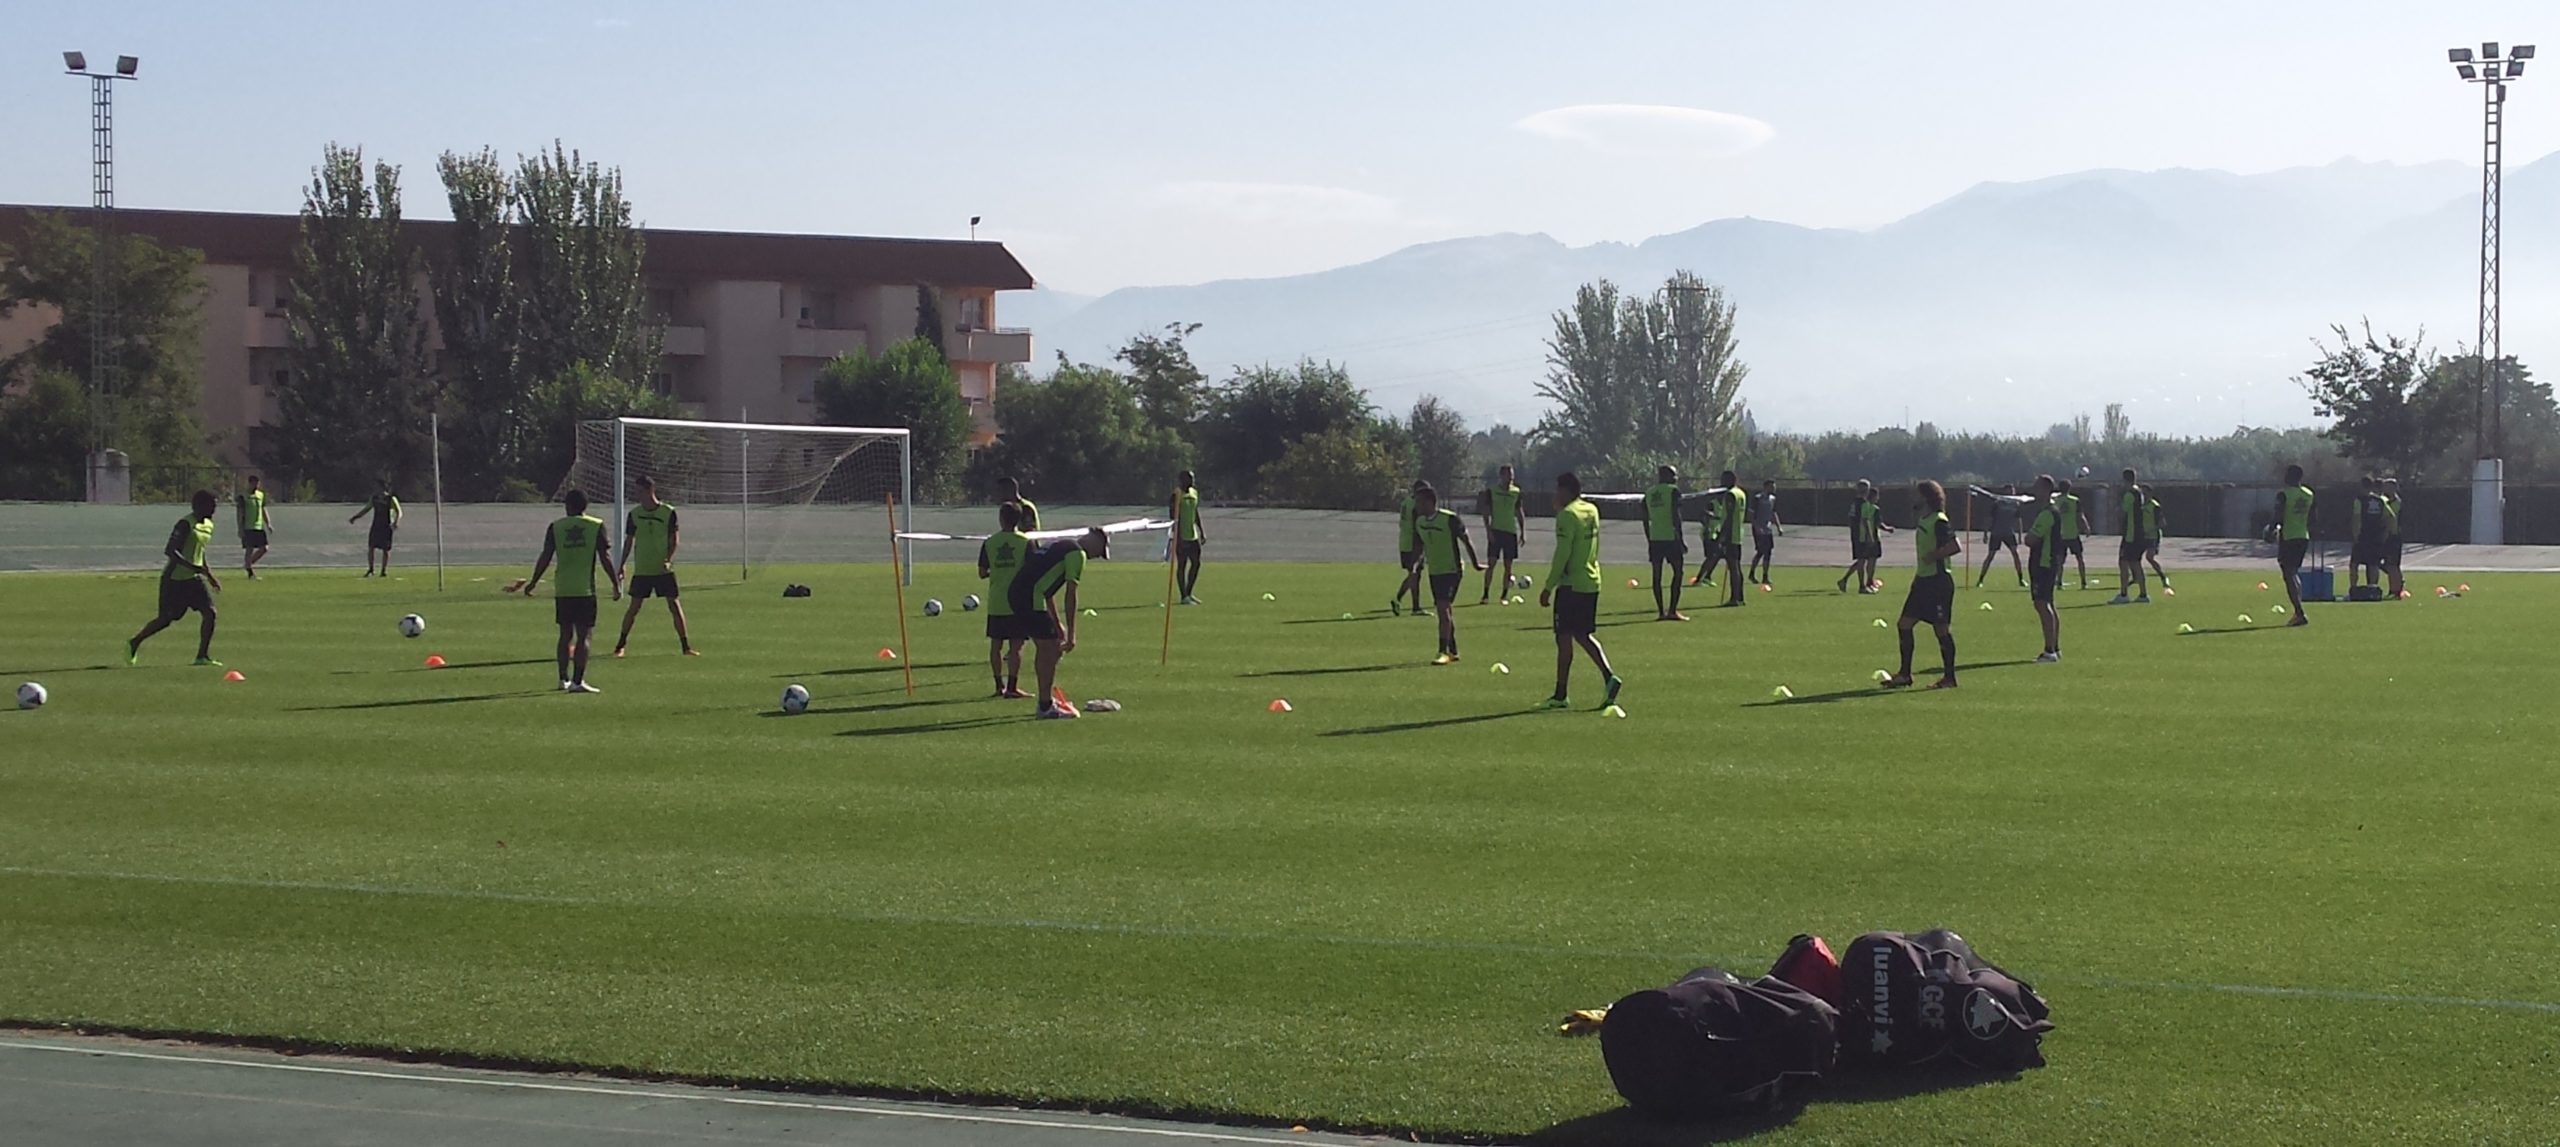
1121	144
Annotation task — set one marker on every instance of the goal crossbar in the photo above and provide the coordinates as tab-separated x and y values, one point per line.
858	435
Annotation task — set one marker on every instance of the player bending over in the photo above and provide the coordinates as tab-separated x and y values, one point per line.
386	522
184	581
251	508
1441	533
1663	543
2044	556
1933	587
1000	560
1187	536
1573	589
1765	528
2003	531
1502	529
1049	568
577	540
650	529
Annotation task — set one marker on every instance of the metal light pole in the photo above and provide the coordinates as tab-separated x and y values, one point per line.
2488	396
102	205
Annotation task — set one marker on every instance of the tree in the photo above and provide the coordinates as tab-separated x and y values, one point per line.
2367	386
1339	468
1643	378
581	297
1081	435
929	324
354	407
151	412
485	404
2119	425
1257	414
554	408
1439	438
44	434
2528	423
1169	385
907	385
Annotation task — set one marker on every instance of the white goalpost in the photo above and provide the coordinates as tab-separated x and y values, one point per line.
799	493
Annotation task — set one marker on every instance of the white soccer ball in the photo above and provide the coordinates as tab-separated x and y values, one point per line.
795	698
31	696
971	603
2084	472
1522	581
412	625
933	607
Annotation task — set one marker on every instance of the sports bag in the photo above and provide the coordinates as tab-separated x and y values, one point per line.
1913	998
1714	1044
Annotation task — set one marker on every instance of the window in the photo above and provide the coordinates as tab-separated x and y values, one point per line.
664	382
973	314
281	379
821	311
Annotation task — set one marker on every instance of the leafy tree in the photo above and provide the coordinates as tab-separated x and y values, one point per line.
929	324
1439	438
485	405
1631	378
2528	424
1170	387
2367	387
581	297
2119	425
907	385
354	408
44	433
554	409
1081	435
1254	417
151	412
1340	467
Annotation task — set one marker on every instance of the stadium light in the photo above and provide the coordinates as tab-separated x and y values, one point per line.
2467	72
75	61
126	66
2488	49
2520	52
2458	55
2488	391
102	202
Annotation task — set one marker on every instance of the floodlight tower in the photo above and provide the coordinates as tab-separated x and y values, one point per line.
102	205
2488	396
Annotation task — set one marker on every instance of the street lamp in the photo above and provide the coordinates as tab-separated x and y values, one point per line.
2493	73
102	205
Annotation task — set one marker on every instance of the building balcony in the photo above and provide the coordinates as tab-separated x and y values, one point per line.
265	329
999	345
822	342
683	342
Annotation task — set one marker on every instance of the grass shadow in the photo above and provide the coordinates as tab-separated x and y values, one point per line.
1439	723
937	727
883	707
423	701
1370	616
1326	671
1625	1126
1877	690
56	669
2239	629
882	667
449	665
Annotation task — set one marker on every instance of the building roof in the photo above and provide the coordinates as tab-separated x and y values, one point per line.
268	240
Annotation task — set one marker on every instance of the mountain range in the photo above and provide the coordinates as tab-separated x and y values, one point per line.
2191	296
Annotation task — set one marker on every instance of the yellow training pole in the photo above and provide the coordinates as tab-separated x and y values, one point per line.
1165	656
906	664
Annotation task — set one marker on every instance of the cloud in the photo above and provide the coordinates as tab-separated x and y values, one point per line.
1650	129
1276	202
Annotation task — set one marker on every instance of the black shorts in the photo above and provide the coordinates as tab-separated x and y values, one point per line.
1036	625
579	612
378	540
1188	551
2290	552
1577	613
1932	599
2391	553
2129	551
1444	587
1670	551
1406	559
1501	546
2071	546
1866	551
253	539
2040	582
1711	551
1761	544
1011	626
646	586
177	597
1991	543
2364	553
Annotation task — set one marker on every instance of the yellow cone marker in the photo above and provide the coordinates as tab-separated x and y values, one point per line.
1783	693
1502	669
1616	712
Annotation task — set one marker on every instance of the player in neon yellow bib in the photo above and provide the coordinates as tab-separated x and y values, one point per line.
1573	589
577	540
1932	599
2292	530
649	541
1187	536
185	580
1440	533
1502	529
251	507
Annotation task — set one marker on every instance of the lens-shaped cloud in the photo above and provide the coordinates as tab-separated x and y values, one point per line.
1276	202
1651	129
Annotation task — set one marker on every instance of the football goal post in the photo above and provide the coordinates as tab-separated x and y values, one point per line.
752	493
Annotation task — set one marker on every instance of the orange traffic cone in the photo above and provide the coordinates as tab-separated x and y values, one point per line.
234	675
1058	700
435	661
887	654
1280	705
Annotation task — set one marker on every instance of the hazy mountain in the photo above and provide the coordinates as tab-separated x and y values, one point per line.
2192	296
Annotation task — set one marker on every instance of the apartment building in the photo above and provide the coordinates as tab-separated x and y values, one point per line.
750	317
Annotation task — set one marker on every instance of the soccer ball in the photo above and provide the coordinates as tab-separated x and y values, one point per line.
1522	581
933	607
412	625
970	603
2084	471
31	696
795	698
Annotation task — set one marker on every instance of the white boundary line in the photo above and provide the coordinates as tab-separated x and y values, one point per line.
698	1096
1490	948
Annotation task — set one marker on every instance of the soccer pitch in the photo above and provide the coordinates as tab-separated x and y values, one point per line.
2281	886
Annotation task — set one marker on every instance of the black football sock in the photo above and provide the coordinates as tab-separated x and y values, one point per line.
1906	653
1947	652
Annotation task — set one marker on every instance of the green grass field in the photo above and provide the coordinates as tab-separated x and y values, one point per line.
2280	886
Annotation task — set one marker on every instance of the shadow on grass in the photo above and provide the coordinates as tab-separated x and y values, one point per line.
2271	628
1327	671
451	665
882	707
423	701
881	667
1370	616
1921	677
1439	723
1624	1126
939	726
55	669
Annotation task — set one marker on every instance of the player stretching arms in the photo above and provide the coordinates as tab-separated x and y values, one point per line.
1187	536
2004	528
578	541
251	507
2292	529
1441	532
184	580
2074	523
652	525
1734	504
1573	588
386	521
2134	507
1048	568
1765	528
1663	542
1012	491
1933	587
1502	529
2044	554
1000	560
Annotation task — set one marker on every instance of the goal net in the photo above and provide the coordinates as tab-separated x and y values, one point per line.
752	494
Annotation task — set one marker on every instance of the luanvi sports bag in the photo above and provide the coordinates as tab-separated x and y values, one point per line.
1713	1044
1913	998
